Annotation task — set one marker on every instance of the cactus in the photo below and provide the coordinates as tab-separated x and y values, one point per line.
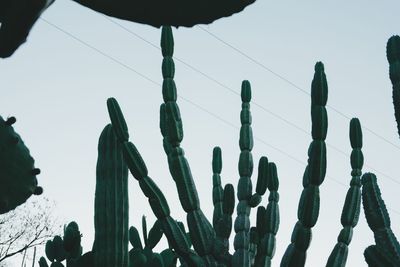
18	174
386	251
254	246
393	57
144	255
351	208
268	220
314	174
111	203
17	19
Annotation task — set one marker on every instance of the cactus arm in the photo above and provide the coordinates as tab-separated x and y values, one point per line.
268	221
111	231
244	192
144	230
351	208
393	56
157	200
201	232
223	228
379	222
314	174
218	191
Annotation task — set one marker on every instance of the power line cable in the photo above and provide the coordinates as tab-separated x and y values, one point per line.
254	102
264	67
183	98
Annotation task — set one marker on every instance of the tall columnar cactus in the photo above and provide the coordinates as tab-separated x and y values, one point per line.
158	203
393	56
111	203
201	231
386	251
241	257
351	208
268	220
314	174
218	191
17	172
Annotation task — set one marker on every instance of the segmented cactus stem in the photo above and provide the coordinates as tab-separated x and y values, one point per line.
295	254
351	208
241	243
387	249
268	221
201	231
158	203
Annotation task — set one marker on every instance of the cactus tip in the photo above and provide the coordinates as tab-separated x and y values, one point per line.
319	66
368	177
10	121
393	49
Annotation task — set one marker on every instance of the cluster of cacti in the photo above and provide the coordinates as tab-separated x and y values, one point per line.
17	19
143	255
254	246
386	251
67	248
393	56
17	172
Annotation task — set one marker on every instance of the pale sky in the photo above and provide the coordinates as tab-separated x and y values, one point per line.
56	85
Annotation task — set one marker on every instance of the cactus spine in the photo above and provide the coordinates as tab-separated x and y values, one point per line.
241	257
314	175
351	208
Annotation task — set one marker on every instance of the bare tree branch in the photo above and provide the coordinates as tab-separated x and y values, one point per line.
28	226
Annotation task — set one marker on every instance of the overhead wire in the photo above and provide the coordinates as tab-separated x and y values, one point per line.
283	78
226	122
279	117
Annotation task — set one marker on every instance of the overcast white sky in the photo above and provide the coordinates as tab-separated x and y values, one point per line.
58	82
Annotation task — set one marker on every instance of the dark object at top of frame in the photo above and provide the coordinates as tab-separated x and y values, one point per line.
168	12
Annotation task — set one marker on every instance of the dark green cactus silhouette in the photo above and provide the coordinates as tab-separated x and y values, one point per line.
314	173
254	246
143	255
351	208
67	248
17	172
386	251
111	218
393	56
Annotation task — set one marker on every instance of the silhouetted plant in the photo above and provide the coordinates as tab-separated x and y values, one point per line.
17	172
254	246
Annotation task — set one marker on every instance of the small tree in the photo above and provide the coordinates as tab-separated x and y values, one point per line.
28	226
